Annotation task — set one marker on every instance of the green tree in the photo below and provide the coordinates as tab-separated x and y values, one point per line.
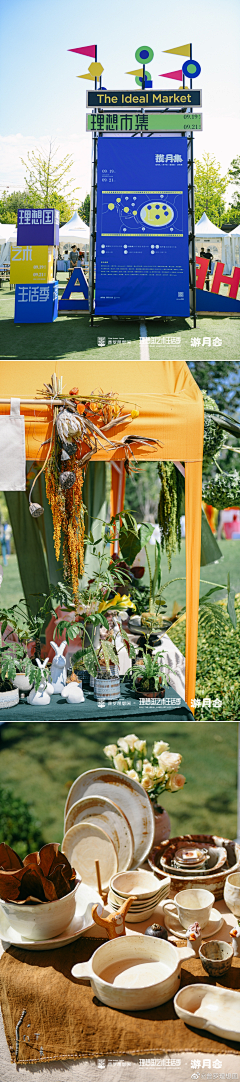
84	210
48	183
142	492
220	379
210	189
232	218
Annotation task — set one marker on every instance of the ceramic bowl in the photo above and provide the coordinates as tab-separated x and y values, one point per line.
132	973
144	885
231	893
216	957
44	920
211	880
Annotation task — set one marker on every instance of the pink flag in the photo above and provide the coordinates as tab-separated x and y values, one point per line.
87	50
171	74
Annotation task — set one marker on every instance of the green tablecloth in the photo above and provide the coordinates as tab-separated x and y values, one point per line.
123	709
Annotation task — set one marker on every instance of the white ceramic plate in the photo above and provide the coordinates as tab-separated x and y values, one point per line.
111	819
83	844
130	798
86	897
216	1010
213	925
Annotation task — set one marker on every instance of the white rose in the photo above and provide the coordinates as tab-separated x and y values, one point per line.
132	774
159	746
160	771
132	741
110	750
120	763
176	781
146	782
123	745
140	745
170	761
148	768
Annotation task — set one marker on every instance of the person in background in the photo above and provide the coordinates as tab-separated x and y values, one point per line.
209	257
73	257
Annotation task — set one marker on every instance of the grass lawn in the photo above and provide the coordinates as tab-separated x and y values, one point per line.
72	337
40	761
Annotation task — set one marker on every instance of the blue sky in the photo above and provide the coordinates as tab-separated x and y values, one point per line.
43	99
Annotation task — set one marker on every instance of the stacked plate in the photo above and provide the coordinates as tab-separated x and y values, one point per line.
145	889
109	818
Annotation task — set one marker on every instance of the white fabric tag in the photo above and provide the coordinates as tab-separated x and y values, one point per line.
12	450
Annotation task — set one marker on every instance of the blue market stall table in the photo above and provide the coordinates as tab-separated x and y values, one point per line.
127	708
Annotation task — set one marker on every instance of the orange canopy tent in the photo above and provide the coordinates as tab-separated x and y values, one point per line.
170	410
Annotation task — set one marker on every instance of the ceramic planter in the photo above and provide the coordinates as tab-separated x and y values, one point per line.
41	921
22	682
9	698
107	686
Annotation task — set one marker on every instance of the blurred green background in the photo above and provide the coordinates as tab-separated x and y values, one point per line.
39	761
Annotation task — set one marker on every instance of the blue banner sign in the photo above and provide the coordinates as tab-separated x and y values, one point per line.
38	226
36	303
142	264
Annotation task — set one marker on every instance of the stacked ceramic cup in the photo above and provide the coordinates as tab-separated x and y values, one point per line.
145	889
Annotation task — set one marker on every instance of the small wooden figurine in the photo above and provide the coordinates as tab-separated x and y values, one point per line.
114	923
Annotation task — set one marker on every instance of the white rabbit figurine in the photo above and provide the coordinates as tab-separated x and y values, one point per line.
73	693
58	668
41	697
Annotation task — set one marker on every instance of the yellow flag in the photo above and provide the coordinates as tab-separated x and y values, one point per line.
92	77
138	71
183	50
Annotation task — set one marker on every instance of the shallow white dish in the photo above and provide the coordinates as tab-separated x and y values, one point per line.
111	819
214	1009
175	927
86	897
130	798
83	844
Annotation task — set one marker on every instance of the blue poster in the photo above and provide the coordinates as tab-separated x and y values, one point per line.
142	264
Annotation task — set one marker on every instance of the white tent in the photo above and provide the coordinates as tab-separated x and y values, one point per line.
209	235
235	243
74	232
8	235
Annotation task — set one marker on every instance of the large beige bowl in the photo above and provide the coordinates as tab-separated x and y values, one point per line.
212	881
42	921
133	972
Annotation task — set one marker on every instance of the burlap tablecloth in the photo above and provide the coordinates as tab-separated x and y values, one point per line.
64	1020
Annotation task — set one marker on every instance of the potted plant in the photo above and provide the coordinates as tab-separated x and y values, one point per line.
148	677
17	672
133	538
155	773
96	600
